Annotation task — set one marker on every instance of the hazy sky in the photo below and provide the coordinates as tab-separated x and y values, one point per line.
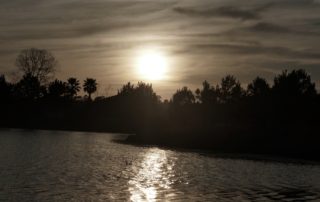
202	39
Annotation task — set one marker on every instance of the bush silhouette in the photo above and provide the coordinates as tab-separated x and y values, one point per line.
57	89
29	88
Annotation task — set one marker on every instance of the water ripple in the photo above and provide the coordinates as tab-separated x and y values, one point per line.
70	166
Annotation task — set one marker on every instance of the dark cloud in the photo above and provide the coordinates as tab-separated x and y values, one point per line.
64	32
233	12
253	50
224	11
300	4
268	27
37	20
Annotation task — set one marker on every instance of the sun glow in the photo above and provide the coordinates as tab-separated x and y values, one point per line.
152	65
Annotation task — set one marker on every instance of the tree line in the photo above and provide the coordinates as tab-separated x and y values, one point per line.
29	88
289	85
38	66
281	118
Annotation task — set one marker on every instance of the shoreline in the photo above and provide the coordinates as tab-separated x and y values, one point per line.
256	156
216	153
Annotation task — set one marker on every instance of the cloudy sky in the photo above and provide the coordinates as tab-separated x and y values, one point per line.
201	39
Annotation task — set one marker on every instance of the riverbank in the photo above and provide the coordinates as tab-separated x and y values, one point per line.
238	141
262	156
213	145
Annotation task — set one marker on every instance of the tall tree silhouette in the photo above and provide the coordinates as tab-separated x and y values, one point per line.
183	96
230	89
37	63
293	84
90	86
145	92
73	87
258	87
208	94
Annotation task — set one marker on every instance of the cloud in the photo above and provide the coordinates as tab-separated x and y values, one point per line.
36	20
224	11
237	50
268	27
233	12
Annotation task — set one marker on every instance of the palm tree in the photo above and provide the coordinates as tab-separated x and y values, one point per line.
73	87
90	86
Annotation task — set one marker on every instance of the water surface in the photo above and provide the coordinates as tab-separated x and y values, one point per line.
81	166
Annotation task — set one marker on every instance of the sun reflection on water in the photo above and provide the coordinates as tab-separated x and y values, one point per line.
152	177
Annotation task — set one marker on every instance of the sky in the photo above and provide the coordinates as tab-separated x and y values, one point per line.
200	39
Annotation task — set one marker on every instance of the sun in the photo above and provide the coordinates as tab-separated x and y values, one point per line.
152	65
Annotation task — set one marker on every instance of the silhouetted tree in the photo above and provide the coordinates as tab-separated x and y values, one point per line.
37	63
198	95
126	89
183	96
207	94
230	89
73	87
3	79
29	87
90	86
5	88
145	91
293	84
258	87
142	93
57	89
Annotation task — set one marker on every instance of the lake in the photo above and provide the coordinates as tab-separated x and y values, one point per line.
82	166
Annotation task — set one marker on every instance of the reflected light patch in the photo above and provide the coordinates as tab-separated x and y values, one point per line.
152	176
